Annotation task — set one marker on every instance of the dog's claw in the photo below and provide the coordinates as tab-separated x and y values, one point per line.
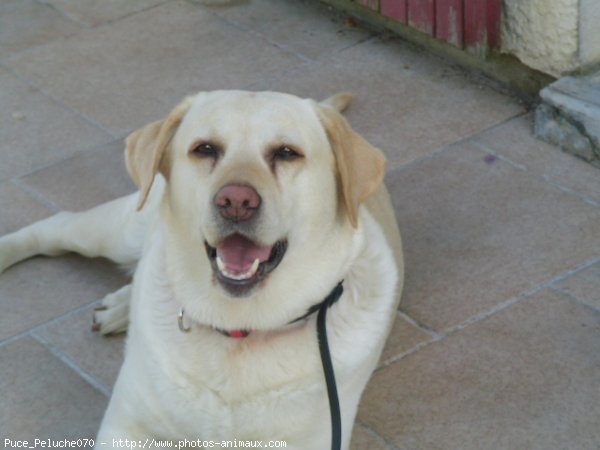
111	315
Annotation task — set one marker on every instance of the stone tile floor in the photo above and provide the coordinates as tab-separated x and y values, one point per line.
497	341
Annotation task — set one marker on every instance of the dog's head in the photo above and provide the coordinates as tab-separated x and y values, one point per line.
261	207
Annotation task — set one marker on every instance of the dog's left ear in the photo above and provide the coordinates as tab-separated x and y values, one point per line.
145	150
360	166
339	101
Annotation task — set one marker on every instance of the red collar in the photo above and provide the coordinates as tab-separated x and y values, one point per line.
333	297
236	334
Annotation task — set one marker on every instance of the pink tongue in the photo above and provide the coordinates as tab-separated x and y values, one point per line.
238	253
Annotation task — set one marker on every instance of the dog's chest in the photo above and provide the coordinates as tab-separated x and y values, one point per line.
219	387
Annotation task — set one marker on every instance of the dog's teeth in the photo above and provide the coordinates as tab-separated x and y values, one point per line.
220	265
241	276
254	267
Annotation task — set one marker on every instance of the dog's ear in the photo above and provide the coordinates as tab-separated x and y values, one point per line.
145	150
339	101
360	166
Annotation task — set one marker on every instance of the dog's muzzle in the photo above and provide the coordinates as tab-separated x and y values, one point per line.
240	264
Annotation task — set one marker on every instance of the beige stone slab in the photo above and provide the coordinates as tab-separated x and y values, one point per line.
94	12
41	289
407	103
515	141
478	232
44	398
85	180
27	23
527	377
305	27
404	337
99	356
365	439
585	286
133	71
19	208
36	131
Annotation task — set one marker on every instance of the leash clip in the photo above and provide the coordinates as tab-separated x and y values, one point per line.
182	327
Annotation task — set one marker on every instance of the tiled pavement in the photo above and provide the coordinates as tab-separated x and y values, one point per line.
497	342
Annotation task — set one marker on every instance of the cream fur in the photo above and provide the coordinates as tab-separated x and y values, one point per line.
269	385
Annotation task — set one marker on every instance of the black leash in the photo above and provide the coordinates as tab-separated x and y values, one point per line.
334	402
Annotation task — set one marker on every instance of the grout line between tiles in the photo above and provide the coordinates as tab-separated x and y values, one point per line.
451	145
78	153
575	298
14	338
434	337
62	316
420	346
36	195
487	313
310	63
422	159
376	436
495	309
64	15
87	26
74	22
372	36
540	176
306	59
268	81
544	285
503	122
257	34
260	36
418	325
58	102
69	362
39	326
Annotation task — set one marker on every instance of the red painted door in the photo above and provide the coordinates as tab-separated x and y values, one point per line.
471	24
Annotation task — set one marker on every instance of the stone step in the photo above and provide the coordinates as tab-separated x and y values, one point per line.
569	116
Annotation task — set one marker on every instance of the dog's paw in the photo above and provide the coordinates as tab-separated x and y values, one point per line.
112	315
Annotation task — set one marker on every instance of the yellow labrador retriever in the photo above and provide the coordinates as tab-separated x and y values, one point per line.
252	208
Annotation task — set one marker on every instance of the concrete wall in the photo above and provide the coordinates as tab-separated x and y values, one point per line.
589	35
553	36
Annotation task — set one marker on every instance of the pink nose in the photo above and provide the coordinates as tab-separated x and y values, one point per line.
237	202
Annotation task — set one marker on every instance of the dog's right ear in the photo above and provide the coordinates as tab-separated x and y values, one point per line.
146	150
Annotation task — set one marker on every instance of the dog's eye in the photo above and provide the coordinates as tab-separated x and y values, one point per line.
206	150
285	153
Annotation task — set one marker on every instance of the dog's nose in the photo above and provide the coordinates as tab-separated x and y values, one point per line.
237	202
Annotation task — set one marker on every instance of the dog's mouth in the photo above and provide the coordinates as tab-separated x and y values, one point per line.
240	264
